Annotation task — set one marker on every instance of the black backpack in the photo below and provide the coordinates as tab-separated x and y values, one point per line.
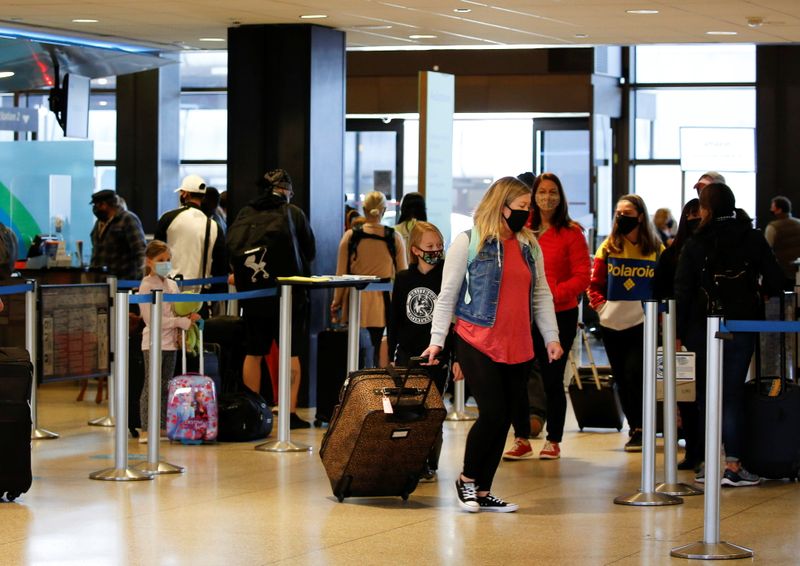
359	234
8	251
263	246
730	283
243	416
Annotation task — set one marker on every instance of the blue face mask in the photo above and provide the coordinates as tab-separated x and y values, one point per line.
163	268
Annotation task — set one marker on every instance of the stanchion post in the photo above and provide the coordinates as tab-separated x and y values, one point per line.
711	548
354	330
154	465
108	420
121	471
31	344
459	412
668	333
232	305
284	443
647	495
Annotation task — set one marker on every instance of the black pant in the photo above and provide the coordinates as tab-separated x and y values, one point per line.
495	387
624	349
552	378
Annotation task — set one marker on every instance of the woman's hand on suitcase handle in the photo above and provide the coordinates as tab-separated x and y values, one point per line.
554	351
431	352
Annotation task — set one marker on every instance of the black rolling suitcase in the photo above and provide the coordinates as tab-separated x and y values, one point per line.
332	369
382	432
16	376
771	446
593	393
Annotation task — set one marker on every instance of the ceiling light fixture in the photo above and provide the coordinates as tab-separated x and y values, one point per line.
102	81
313	16
641	12
84	21
103	103
6	74
722	33
212	39
422	36
373	27
581	35
462	10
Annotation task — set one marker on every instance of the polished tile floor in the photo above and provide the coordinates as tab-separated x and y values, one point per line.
235	506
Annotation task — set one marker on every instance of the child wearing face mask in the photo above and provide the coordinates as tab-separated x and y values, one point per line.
622	277
413	298
157	268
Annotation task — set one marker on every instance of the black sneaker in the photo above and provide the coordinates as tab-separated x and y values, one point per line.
427	476
740	478
296	422
635	442
496	505
467	496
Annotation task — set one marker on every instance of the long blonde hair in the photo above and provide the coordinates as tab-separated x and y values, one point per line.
488	216
420	229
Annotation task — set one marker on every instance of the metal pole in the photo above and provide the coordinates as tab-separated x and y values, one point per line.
108	420
31	336
154	465
284	443
459	412
232	305
647	495
671	485
711	548
354	329
121	471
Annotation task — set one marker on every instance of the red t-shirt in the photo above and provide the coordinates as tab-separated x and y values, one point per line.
509	340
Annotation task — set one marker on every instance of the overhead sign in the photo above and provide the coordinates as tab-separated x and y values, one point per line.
19	119
718	149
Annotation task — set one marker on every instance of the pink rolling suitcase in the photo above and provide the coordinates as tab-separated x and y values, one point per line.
192	406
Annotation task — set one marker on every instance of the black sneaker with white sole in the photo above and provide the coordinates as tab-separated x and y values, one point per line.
739	478
467	496
496	505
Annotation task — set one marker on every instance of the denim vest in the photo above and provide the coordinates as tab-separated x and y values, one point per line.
477	300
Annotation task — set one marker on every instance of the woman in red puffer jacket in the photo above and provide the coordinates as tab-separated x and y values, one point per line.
567	266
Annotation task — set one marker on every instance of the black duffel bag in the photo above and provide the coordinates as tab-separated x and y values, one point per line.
243	416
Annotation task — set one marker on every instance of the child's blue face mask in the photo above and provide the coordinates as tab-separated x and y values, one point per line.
163	268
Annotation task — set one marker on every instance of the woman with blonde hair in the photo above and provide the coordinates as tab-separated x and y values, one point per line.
494	282
622	277
370	249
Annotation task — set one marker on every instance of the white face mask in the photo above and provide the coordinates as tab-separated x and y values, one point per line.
162	268
548	201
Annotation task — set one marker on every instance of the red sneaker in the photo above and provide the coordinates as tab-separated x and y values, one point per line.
550	451
519	451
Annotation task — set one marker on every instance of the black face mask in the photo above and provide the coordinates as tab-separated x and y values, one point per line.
670	223
693	224
627	224
517	219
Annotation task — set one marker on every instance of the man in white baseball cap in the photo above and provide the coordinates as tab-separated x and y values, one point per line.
197	244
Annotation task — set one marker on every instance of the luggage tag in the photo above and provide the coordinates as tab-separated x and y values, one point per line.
387	405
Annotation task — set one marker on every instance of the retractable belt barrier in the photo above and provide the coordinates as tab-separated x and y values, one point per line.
711	547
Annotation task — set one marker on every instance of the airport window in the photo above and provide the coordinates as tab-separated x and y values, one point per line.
706	90
204	134
204	69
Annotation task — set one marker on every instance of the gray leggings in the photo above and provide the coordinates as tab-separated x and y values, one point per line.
168	359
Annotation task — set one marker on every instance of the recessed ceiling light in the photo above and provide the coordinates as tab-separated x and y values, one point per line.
641	12
103	103
212	39
373	27
581	35
422	36
462	10
6	74
85	21
103	81
313	16
722	33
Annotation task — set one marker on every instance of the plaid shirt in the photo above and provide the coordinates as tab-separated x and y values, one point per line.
119	246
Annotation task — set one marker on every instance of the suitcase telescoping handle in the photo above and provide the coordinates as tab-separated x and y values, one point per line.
589	356
400	382
201	360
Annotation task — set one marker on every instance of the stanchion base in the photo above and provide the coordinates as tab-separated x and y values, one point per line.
642	499
161	467
42	434
680	489
461	416
102	421
281	446
711	551
120	474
